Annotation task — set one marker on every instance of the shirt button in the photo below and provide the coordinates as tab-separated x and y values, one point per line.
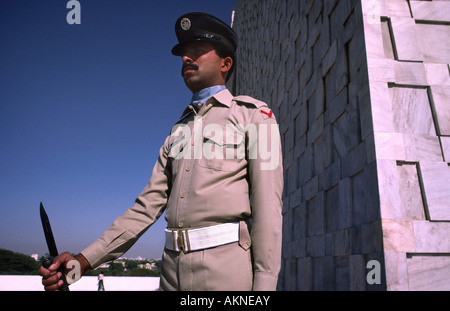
180	224
183	194
188	169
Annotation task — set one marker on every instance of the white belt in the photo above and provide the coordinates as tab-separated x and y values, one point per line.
188	240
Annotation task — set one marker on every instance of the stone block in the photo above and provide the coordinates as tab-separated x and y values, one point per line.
410	73
388	47
390	146
354	161
436	186
315	212
381	107
305	271
389	186
429	273
345	204
342	242
342	273
435	11
381	70
422	148
331	218
398	236
395	8
412	111
396	271
371	237
434	41
406	40
431	237
437	74
374	37
441	104
358	272
315	246
445	142
409	192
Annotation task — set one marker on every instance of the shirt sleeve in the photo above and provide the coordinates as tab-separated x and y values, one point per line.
127	229
266	184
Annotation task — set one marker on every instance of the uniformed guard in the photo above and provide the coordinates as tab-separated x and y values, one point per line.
218	177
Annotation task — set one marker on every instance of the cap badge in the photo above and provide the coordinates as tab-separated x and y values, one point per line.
185	23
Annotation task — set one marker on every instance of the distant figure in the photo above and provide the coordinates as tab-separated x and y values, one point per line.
101	287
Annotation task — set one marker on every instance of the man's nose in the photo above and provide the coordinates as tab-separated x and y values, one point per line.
186	59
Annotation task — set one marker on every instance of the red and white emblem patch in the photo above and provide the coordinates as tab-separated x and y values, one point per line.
266	113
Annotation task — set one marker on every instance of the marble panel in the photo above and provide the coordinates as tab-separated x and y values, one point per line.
410	73
396	271
436	11
445	142
441	103
381	107
381	70
410	193
429	273
431	237
390	146
396	8
412	111
405	39
422	148
434	41
389	187
437	74
436	184
398	236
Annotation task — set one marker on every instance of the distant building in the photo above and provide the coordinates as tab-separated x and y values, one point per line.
148	266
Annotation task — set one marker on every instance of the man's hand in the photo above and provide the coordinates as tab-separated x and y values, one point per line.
51	278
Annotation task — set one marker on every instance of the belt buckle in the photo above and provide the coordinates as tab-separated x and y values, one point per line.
185	248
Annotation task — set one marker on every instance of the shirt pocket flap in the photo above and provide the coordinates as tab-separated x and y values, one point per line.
228	139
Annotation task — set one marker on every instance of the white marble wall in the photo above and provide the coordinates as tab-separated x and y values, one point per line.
361	93
408	54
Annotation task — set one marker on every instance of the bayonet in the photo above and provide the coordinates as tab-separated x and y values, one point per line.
51	246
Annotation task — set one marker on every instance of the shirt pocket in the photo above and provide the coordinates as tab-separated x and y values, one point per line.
222	152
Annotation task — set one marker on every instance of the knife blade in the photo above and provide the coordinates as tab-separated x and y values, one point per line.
51	245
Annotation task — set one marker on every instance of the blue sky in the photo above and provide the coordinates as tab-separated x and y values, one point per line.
83	111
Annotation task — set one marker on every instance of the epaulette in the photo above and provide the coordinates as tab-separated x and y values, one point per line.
266	112
249	100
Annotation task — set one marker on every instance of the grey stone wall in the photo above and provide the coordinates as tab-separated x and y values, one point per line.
361	92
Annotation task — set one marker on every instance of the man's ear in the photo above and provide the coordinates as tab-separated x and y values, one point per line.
227	63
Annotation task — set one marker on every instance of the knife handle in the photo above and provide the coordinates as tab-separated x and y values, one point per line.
47	263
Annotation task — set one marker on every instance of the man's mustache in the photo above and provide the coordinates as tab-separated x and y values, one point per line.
188	66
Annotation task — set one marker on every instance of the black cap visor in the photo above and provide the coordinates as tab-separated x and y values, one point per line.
177	50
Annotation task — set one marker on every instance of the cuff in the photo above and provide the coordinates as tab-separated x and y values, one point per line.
264	282
95	254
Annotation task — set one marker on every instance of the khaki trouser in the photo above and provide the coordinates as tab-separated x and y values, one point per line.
222	268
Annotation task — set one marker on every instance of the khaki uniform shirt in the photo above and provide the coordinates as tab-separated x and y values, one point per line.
222	164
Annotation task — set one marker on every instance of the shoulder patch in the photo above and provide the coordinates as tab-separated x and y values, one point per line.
249	100
266	113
